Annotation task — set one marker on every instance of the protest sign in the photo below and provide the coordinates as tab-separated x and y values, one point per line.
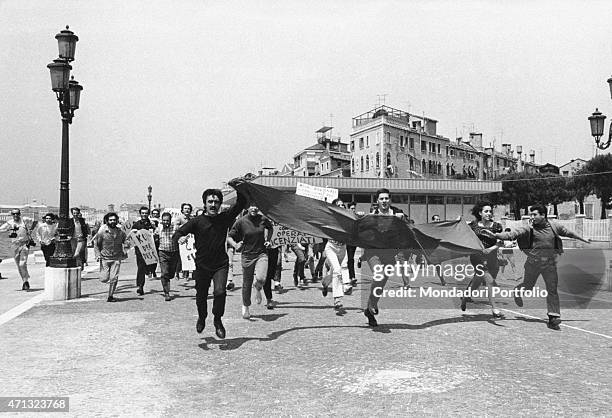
188	253
143	239
326	194
285	236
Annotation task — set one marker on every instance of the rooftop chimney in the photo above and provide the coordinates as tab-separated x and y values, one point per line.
532	156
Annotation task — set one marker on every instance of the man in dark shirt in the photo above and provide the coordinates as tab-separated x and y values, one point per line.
143	223
542	243
212	264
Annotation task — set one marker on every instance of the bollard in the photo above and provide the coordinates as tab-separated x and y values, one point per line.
62	283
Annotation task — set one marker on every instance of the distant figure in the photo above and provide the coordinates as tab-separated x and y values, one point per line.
46	234
109	248
79	230
20	240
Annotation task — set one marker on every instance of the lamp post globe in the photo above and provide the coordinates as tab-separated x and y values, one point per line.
150	196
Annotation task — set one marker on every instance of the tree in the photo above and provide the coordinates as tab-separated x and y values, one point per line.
549	189
579	187
517	191
600	180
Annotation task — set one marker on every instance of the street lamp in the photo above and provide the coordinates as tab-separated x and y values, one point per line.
68	94
150	196
597	125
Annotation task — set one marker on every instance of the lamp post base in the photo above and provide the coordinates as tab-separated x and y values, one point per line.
62	283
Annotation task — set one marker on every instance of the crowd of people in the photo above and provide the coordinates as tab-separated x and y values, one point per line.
243	228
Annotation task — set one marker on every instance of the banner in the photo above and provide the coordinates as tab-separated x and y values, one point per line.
143	239
326	194
188	254
285	236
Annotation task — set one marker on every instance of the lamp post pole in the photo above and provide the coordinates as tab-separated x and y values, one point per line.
68	96
597	126
150	196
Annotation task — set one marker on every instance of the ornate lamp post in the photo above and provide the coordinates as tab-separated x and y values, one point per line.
150	196
597	125
68	93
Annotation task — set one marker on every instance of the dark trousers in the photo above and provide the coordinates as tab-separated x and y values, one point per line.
48	251
300	262
548	270
141	270
350	252
203	277
320	264
273	255
167	264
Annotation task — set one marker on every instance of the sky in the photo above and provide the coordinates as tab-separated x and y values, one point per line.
185	95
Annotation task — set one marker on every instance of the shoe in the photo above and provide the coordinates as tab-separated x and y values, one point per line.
219	329
140	291
230	286
246	314
270	304
517	298
371	320
295	280
302	284
111	299
324	291
200	325
554	323
464	302
338	307
348	290
353	282
167	297
25	286
105	280
497	314
257	294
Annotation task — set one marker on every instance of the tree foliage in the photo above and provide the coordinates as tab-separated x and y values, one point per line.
600	180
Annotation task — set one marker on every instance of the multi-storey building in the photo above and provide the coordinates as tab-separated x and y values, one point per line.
388	142
570	168
328	157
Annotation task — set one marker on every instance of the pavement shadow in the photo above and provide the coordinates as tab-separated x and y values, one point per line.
127	299
235	343
269	317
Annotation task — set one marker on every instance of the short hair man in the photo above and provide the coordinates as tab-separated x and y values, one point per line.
179	221
143	269
20	238
376	257
542	243
46	234
79	230
168	252
109	248
212	262
350	250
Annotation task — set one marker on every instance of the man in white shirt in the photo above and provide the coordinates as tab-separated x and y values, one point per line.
46	234
20	238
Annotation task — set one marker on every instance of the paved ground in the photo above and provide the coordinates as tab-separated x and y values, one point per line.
142	356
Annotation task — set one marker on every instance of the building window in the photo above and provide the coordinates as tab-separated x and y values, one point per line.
352	145
439	169
361	167
367	166
411	164
439	151
401	141
423	166
360	143
423	147
353	164
411	143
327	164
388	137
388	159
377	160
367	141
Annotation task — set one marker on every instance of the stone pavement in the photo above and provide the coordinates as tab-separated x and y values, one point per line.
142	356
